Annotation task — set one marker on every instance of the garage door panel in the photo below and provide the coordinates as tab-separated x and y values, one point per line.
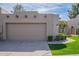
26	31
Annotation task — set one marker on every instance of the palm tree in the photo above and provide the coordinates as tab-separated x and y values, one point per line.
62	25
18	8
74	11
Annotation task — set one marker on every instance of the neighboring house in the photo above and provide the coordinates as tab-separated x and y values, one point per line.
73	25
29	26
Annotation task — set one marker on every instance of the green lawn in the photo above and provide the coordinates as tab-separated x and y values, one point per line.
64	49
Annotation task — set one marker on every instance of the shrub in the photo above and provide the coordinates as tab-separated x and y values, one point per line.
60	36
50	37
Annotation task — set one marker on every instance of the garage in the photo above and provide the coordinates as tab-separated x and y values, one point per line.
23	31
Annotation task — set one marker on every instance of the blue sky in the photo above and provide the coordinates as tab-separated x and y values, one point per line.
53	8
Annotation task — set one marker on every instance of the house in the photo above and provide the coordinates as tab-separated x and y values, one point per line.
73	25
28	25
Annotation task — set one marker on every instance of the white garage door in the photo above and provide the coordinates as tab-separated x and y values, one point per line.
26	32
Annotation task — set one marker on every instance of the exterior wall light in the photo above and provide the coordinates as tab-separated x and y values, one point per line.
7	16
17	16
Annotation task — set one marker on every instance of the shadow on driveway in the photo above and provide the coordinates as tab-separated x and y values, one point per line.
57	46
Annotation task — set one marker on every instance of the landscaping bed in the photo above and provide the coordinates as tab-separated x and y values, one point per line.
59	37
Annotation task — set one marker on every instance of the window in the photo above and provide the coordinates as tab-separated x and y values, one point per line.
72	26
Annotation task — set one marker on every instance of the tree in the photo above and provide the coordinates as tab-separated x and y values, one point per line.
74	11
18	8
62	25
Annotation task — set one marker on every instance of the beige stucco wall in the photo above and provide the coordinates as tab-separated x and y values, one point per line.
51	20
74	22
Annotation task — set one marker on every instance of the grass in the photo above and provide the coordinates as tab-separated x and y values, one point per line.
66	49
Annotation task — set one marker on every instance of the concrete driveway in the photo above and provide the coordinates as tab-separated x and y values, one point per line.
24	48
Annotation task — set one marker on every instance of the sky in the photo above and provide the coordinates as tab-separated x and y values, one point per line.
53	8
